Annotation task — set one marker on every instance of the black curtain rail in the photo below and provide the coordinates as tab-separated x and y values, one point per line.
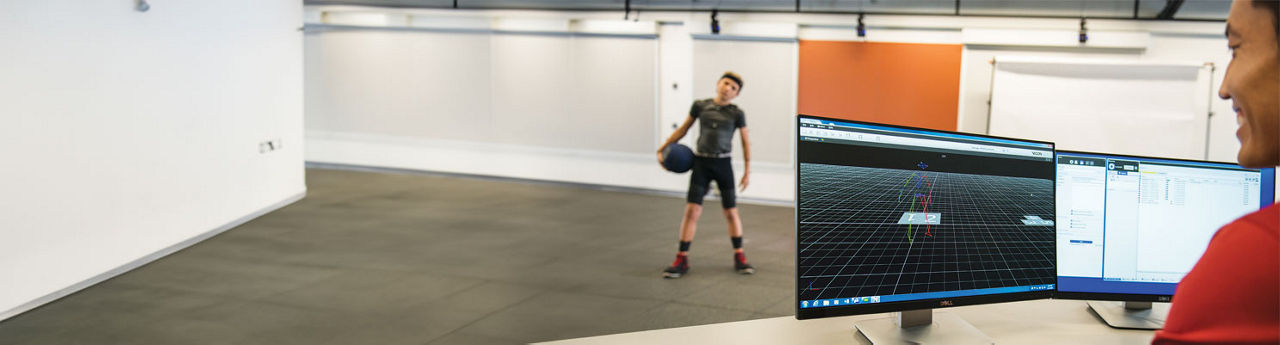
775	11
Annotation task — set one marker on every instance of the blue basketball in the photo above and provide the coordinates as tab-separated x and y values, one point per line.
677	158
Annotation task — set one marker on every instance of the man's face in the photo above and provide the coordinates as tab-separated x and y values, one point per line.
1252	83
727	89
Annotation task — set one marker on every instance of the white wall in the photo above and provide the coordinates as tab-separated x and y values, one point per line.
127	135
538	98
565	99
688	58
528	99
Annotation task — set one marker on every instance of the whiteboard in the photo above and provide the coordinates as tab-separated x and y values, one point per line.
590	93
1126	107
576	92
397	83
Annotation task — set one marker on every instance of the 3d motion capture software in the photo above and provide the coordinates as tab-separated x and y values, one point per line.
886	215
1142	221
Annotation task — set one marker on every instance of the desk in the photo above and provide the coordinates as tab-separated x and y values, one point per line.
1027	322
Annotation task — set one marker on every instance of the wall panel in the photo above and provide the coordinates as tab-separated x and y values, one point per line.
893	83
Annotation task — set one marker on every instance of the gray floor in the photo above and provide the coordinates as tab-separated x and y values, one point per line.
382	258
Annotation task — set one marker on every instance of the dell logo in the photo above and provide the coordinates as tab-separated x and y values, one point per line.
1163	298
946	303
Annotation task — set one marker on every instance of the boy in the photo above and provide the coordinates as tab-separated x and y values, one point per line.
718	119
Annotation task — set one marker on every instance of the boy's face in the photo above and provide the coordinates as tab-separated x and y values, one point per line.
726	89
1252	83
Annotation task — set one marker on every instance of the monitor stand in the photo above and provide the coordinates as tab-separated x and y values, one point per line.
921	327
1130	315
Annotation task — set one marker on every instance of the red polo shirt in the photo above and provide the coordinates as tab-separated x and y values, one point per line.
1232	295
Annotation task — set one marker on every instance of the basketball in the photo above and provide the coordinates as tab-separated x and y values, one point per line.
677	158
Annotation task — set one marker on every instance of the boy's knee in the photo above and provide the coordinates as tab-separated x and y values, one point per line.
693	210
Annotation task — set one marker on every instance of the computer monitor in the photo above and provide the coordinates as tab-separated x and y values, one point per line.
1130	227
894	218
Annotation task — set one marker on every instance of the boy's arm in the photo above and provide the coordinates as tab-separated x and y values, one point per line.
676	136
746	157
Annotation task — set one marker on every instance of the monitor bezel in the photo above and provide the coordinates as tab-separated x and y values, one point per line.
930	303
1127	297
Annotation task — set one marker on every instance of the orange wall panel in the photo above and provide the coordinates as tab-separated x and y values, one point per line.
895	83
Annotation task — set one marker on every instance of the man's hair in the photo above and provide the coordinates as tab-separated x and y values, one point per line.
734	77
1273	7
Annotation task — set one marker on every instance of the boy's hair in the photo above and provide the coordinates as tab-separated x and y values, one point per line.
734	77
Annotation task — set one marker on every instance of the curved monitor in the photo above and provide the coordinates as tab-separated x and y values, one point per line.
893	218
1131	227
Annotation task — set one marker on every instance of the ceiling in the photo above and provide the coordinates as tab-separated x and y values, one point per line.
1122	9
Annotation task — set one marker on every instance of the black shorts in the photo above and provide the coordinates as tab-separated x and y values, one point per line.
704	171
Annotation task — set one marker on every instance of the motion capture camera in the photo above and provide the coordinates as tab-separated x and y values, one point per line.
715	23
1084	32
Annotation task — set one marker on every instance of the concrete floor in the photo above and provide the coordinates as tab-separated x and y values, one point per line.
383	258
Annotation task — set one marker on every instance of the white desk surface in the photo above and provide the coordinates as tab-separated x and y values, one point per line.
1027	322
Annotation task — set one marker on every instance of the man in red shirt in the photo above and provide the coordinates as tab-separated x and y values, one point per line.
1232	295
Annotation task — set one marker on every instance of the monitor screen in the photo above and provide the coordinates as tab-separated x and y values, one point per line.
1130	227
893	218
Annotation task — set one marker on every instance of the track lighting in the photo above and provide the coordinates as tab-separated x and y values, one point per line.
862	28
715	23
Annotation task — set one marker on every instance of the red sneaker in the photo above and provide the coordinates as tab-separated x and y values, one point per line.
740	264
678	268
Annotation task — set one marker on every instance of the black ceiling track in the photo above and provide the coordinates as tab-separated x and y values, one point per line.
462	5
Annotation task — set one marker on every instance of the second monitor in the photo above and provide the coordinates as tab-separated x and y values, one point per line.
1129	227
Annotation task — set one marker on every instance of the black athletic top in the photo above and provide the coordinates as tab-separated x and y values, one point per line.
718	124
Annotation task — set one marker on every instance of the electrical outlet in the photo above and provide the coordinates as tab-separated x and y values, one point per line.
269	145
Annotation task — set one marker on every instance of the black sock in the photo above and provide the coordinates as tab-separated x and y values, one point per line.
684	246
737	242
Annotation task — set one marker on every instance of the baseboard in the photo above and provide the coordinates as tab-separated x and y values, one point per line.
771	182
146	259
593	186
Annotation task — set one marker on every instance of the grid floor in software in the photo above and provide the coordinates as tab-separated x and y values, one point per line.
876	232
